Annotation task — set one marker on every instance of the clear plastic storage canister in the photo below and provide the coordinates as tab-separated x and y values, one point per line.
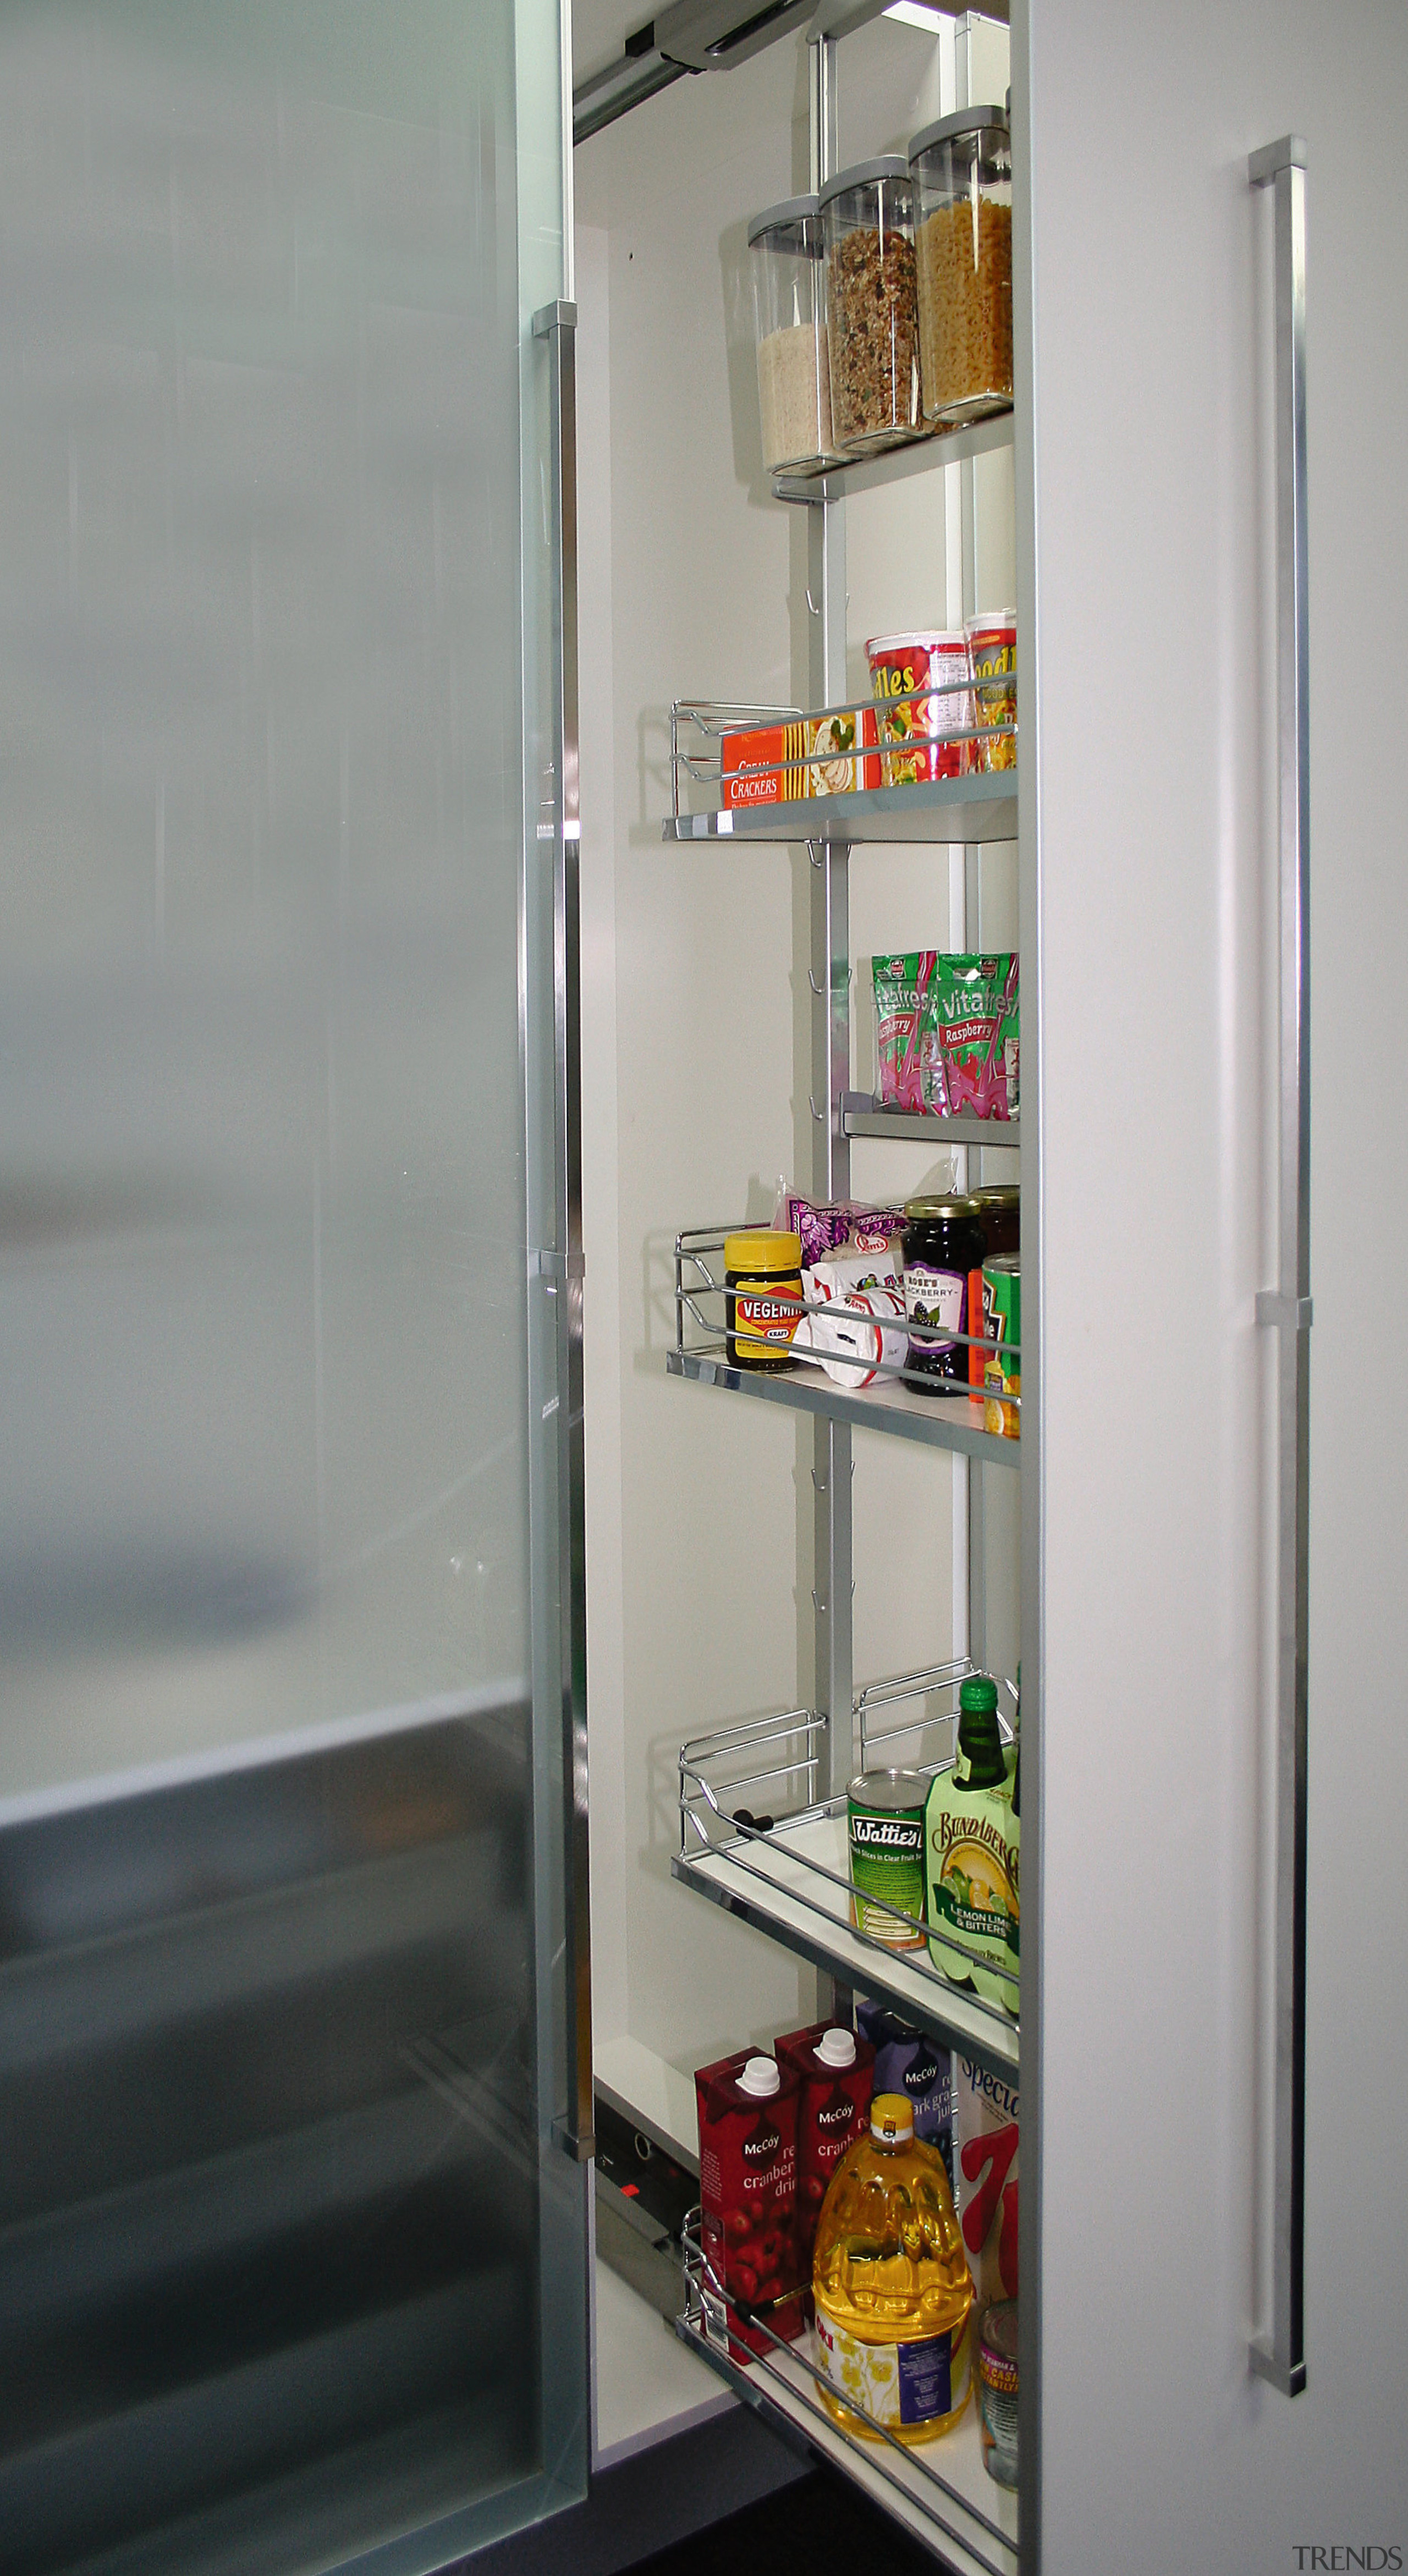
867	217
963	243
794	391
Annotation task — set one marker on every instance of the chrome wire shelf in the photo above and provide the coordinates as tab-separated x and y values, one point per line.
979	805
758	1840
947	1414
942	2493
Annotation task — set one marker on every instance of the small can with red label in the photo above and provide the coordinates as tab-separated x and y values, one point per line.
923	705
752	2289
763	1298
835	2070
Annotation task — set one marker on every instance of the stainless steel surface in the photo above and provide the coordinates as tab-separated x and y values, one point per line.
863	1115
941	809
1032	1622
829	1011
621	86
690	36
897	464
784	2382
555	327
876	1408
1280	2357
823	110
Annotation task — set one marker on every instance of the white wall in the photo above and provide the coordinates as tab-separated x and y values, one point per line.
1159	2452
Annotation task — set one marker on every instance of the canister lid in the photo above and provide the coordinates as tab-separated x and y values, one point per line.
760	2077
1000	1194
864	174
924	1211
762	1250
966	120
891	2118
836	2048
794	223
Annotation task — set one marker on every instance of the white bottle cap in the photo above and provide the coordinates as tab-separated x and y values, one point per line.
760	2076
836	2048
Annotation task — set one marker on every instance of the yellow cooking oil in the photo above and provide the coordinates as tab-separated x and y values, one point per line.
891	2285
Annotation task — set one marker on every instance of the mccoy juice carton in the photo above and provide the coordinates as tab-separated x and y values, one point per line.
985	2138
833	2068
763	766
747	2184
906	2062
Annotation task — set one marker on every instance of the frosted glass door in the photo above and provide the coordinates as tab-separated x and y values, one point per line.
291	2276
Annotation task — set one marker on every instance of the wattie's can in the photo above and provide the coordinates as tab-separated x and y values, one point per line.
887	1856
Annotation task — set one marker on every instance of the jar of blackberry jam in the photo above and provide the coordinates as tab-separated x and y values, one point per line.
942	1242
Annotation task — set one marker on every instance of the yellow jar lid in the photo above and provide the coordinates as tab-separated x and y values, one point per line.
762	1250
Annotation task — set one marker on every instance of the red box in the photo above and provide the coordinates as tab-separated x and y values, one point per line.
764	765
833	2107
747	2183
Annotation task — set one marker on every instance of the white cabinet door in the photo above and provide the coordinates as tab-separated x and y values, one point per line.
1150	889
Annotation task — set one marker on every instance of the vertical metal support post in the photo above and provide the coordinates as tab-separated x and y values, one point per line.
830	1050
560	1263
1286	1309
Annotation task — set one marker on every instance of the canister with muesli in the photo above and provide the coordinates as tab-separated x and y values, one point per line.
867	218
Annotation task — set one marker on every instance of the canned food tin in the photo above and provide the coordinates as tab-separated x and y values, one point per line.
1002	1324
997	2391
886	1811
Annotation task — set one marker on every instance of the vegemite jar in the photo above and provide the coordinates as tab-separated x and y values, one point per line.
942	1242
763	1278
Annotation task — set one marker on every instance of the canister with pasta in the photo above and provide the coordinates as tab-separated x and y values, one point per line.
962	170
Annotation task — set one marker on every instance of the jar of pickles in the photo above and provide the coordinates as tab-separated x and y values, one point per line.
789	311
962	170
867	219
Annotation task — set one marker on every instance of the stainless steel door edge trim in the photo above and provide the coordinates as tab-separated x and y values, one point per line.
560	1266
1280	2356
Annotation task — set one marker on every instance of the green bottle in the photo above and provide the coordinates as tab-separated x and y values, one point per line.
971	1844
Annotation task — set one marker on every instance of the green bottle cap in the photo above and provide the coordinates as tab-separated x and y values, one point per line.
978	1697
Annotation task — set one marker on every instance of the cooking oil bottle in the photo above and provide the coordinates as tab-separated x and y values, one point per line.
891	2283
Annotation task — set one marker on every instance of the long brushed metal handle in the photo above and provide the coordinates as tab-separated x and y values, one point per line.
1286	1309
556	326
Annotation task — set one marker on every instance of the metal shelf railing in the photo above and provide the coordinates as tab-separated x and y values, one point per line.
756	1837
868	1392
942	2489
698	727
